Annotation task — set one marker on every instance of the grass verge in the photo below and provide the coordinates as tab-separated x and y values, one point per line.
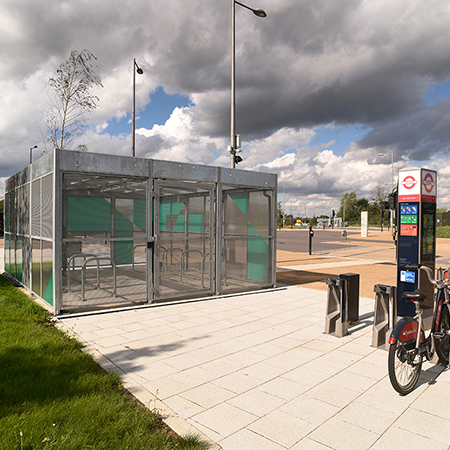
54	396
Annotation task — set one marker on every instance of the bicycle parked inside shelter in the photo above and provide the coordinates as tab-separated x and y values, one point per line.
408	343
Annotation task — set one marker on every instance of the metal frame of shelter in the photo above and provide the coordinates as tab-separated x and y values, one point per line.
87	231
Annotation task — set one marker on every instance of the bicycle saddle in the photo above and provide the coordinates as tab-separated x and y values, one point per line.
416	296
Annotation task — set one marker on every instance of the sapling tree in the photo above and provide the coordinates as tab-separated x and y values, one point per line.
70	98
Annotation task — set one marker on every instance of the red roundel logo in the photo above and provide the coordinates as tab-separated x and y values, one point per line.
409	182
428	182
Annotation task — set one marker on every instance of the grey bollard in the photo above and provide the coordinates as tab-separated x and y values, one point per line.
336	321
385	315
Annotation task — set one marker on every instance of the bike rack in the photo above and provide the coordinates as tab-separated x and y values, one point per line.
183	261
134	248
70	261
83	275
336	321
385	315
164	256
87	257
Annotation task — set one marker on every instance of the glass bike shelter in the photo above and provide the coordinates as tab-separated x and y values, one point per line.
87	231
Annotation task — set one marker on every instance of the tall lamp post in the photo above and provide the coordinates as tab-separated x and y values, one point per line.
137	69
391	221
235	140
31	153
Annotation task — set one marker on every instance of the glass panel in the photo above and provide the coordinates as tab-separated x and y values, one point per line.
7	246
259	214
36	208
47	206
236	213
47	271
23	210
36	266
247	260
26	262
184	240
19	252
100	270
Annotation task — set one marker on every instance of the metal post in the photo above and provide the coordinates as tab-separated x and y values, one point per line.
260	13
133	112
233	88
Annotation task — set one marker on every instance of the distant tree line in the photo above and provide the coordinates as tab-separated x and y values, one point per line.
351	207
349	211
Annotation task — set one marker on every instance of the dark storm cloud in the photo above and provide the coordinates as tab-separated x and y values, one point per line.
313	63
418	137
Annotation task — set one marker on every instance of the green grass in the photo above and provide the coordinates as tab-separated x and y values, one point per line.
443	232
54	396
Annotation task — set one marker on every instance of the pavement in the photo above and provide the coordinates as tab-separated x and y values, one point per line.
256	371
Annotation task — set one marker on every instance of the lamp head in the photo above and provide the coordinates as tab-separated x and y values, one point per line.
139	71
259	12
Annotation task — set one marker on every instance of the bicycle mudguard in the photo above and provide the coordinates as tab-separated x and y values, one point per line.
438	309
405	330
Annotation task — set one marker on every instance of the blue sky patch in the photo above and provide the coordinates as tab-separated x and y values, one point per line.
157	111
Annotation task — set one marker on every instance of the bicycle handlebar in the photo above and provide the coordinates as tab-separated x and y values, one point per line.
429	273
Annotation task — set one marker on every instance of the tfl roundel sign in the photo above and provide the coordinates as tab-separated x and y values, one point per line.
428	186
409	186
417	185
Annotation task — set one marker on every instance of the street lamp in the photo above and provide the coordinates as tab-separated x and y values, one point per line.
392	169
391	218
236	140
137	69
31	153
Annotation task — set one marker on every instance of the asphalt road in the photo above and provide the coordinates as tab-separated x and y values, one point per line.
322	242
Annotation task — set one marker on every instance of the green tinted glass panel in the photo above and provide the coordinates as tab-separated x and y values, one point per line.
36	266
124	249
140	214
88	214
47	272
241	200
258	259
196	223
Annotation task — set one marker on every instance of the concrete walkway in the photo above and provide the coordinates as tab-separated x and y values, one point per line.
256	372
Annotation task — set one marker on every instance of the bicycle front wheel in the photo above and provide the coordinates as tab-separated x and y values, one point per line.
443	344
403	373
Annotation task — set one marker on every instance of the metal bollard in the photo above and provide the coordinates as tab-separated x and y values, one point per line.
311	235
385	315
336	321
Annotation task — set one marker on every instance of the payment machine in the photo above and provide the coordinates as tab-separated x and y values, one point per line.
416	234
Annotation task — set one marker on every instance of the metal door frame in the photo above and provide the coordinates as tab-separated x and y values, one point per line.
210	188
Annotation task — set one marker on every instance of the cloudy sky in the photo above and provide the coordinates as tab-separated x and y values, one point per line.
322	87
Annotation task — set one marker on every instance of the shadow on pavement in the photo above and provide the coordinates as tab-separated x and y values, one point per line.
298	277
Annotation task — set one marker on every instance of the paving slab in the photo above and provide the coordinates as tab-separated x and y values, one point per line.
252	382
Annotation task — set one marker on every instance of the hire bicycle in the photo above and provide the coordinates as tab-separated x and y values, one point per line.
408	344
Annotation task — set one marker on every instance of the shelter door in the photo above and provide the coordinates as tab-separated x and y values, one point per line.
184	239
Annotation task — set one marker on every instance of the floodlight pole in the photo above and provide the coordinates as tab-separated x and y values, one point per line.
137	69
234	139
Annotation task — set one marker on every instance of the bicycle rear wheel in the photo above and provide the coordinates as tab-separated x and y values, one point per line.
403	372
443	344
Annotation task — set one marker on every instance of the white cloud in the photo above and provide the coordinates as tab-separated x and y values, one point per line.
308	64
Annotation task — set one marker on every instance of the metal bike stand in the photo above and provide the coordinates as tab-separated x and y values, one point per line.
385	315
336	321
